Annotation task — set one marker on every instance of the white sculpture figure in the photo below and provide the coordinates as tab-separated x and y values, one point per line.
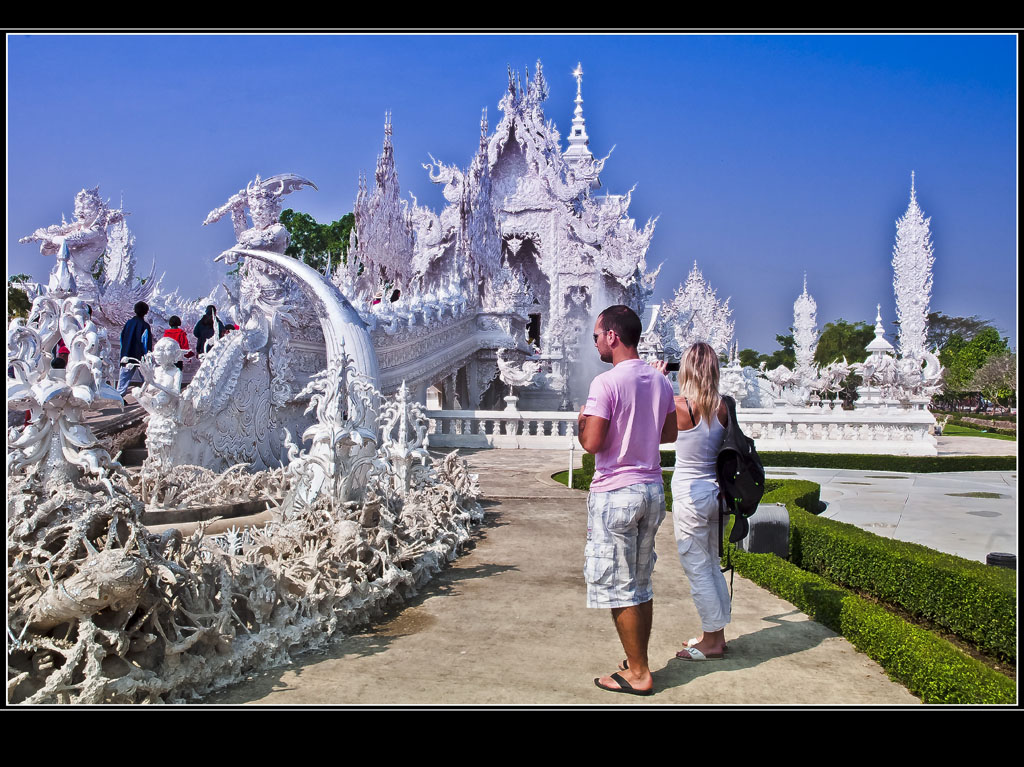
912	260
403	448
342	442
56	443
86	236
513	374
102	271
694	314
234	407
733	383
160	395
263	199
832	376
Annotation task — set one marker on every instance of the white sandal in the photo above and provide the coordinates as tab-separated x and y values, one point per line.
692	653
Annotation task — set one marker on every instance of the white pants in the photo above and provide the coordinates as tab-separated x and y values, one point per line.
695	521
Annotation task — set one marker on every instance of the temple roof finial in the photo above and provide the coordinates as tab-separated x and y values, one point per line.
578	139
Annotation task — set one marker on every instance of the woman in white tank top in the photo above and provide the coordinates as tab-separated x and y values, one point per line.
701	417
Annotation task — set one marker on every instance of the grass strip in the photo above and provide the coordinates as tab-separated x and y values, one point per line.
973	430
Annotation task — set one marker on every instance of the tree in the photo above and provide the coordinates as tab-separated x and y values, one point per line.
963	358
844	339
941	328
18	304
784	356
996	379
321	246
750	358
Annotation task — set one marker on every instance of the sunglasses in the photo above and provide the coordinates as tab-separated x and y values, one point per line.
603	331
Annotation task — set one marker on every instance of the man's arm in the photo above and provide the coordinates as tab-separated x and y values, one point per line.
592	431
670	430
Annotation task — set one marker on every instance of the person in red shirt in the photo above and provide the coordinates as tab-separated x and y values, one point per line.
175	332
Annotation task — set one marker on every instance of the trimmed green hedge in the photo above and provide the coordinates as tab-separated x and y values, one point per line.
907	463
929	666
977	602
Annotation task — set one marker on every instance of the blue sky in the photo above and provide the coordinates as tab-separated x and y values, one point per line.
764	156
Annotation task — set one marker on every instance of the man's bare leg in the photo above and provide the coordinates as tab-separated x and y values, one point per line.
633	625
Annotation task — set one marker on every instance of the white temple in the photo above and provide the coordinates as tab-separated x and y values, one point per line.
525	252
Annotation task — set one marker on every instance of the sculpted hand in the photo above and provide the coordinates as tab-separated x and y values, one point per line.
660	365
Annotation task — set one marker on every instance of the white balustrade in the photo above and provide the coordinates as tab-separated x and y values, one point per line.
540	429
882	431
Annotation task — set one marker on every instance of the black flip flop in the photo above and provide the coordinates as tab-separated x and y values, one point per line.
624	686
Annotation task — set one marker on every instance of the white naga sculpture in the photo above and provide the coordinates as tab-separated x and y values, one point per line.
100	609
244	393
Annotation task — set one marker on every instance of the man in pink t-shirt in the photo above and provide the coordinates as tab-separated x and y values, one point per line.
629	413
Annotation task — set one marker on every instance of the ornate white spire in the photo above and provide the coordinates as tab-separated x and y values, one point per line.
878	343
578	140
805	334
912	261
694	314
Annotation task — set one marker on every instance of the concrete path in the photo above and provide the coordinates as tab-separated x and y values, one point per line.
969	514
506	624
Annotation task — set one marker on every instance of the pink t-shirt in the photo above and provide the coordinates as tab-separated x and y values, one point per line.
635	399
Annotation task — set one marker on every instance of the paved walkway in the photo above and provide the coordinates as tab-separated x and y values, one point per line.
506	624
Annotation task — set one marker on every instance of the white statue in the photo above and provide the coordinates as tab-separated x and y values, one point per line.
56	443
160	396
86	236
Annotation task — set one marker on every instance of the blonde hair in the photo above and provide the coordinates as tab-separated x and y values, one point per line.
698	380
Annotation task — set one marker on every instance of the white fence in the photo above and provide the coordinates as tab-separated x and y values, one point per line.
892	431
542	429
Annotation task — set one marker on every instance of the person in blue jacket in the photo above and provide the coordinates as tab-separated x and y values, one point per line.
136	341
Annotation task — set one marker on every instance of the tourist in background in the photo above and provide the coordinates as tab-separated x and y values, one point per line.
209	325
177	334
136	341
629	412
701	418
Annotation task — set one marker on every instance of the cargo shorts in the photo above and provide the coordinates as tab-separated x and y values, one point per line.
619	557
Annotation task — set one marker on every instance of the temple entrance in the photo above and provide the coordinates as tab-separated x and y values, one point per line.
533	330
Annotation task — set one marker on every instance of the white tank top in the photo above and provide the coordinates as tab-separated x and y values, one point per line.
696	452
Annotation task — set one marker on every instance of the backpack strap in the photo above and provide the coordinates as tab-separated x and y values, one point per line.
690	411
729	568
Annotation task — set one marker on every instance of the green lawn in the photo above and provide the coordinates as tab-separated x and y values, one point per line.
963	431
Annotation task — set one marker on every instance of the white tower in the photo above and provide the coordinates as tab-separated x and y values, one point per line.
912	261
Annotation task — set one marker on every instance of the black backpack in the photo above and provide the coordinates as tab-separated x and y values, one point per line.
740	476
